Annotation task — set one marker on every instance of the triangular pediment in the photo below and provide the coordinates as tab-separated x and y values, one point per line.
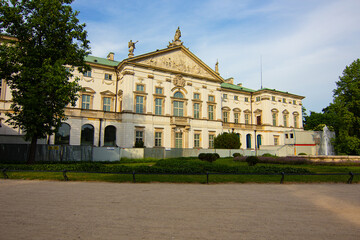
178	60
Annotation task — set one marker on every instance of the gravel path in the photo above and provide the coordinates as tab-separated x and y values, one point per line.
93	210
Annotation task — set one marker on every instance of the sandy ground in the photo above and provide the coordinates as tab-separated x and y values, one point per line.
83	210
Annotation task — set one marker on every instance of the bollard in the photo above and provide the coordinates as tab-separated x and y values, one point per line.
64	174
349	181
4	173
134	180
282	178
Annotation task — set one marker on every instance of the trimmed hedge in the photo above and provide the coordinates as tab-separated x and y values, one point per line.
172	166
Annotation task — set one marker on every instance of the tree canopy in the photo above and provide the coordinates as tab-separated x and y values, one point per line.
227	141
343	115
48	39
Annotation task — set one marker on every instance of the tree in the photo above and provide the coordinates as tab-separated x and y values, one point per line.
48	38
227	141
346	108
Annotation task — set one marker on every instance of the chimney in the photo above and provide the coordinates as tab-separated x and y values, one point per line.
110	56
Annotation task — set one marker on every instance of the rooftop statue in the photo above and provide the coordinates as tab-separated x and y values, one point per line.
176	41
131	48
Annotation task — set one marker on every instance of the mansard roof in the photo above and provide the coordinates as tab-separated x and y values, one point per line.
101	61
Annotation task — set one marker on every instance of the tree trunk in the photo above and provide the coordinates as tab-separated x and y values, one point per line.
32	151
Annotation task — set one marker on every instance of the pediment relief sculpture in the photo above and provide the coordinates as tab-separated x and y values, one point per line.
177	61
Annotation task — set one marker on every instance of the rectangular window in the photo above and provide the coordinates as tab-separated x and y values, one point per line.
85	102
236	117
224	96
139	136
139	104
286	135
196	96
291	135
158	106
285	120
87	74
108	76
258	99
211	99
178	108
196	140
294	102
178	140
247	118
211	141
296	122
284	100
273	98
158	139
211	112
276	140
225	116
246	99
274	118
106	104
236	98
139	88
196	110
158	90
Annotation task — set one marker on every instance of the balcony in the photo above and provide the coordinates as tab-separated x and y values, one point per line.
183	121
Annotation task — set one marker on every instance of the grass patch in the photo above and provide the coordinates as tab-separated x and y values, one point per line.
154	171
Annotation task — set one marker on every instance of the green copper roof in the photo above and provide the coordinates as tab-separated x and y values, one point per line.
236	87
101	61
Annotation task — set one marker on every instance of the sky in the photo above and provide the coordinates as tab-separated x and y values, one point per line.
296	46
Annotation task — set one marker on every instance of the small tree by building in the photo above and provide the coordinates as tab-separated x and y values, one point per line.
227	141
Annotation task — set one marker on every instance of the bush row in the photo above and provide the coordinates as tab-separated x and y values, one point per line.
162	166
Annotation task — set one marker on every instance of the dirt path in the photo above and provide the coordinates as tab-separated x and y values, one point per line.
81	210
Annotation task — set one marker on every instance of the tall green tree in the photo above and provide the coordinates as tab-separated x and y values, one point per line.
48	38
346	108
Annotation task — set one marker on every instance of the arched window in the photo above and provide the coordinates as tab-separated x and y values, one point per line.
248	141
62	137
110	136
87	135
178	95
258	141
178	106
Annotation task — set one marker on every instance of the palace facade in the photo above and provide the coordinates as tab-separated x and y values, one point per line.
168	98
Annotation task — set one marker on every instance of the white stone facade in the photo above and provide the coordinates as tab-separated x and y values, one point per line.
170	98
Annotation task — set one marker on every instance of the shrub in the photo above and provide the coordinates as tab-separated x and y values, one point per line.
202	156
268	155
252	160
227	141
209	157
302	154
237	155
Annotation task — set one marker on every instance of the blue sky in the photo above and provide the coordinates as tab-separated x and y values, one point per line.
304	44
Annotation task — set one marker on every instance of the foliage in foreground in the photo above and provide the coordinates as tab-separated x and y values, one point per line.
47	37
174	166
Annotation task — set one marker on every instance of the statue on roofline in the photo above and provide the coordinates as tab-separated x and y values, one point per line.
131	48
176	41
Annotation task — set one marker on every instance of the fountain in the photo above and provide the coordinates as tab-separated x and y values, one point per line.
326	147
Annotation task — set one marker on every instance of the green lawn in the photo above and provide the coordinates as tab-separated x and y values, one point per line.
183	178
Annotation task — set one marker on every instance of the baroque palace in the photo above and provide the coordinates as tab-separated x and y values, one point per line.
168	98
